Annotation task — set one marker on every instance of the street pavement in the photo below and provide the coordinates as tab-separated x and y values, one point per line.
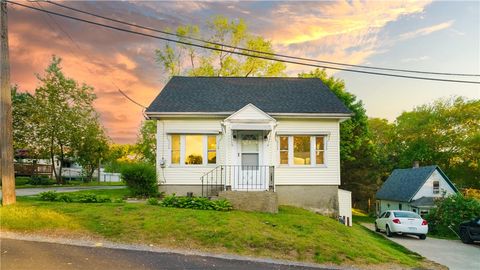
35	191
452	253
21	254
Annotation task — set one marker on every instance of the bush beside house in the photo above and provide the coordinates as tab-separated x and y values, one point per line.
449	212
141	179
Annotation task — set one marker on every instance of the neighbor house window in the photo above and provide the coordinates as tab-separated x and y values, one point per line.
212	149
175	149
436	187
302	150
283	150
193	149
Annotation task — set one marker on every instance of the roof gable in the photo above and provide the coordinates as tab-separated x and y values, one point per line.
403	184
250	112
229	94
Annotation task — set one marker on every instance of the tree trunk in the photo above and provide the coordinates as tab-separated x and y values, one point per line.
62	160
52	157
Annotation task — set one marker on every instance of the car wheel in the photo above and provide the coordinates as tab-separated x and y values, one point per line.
465	236
376	228
388	232
422	236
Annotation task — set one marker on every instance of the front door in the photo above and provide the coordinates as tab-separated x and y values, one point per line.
251	174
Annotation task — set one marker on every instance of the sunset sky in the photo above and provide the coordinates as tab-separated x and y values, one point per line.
435	36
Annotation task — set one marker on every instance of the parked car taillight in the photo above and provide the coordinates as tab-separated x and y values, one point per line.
396	220
424	223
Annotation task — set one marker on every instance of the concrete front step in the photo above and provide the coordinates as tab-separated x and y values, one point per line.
261	201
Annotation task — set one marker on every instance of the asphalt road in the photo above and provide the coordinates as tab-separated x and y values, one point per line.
452	253
35	191
20	254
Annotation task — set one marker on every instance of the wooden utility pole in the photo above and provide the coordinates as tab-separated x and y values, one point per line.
6	137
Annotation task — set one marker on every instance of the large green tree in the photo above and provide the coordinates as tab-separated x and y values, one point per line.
357	157
191	61
445	133
61	108
24	128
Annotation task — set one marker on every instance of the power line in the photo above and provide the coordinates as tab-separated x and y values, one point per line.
78	47
245	54
256	51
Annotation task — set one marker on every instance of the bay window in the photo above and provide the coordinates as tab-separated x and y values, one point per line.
302	150
193	149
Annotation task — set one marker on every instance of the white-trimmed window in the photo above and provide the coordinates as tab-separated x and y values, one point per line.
302	150
193	149
283	150
212	149
175	149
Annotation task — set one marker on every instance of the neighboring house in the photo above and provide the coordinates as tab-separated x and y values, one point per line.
231	134
414	189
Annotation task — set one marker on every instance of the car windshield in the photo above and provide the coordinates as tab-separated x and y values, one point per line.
405	215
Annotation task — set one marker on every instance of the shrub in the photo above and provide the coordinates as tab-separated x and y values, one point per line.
64	198
153	201
450	211
22	180
140	179
117	200
93	198
223	205
49	196
41	180
196	203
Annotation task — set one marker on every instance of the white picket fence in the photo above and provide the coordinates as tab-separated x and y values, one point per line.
73	173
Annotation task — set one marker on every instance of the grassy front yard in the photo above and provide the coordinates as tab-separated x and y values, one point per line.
293	233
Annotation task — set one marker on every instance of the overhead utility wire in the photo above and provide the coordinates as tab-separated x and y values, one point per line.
256	51
78	47
241	53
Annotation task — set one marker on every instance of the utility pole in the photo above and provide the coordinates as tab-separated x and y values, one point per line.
6	137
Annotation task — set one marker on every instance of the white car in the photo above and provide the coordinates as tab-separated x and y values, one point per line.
402	222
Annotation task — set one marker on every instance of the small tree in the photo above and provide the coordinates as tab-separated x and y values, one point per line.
147	142
91	146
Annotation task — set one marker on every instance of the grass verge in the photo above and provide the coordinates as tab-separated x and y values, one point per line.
292	234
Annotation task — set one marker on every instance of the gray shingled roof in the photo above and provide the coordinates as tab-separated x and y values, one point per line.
229	94
403	184
423	202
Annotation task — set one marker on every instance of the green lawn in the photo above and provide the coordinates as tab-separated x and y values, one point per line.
293	233
73	183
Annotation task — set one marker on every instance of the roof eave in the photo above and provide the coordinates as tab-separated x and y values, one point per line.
341	116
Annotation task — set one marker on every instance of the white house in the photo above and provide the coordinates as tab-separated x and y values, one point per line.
414	189
236	134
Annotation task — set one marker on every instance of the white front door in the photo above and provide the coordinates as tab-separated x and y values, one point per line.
251	175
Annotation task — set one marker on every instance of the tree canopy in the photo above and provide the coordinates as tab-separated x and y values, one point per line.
186	60
59	121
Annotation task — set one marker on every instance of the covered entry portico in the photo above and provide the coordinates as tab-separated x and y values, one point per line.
249	164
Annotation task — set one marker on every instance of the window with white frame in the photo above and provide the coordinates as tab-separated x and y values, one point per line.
302	150
193	149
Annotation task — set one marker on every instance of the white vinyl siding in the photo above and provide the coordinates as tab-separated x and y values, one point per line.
326	174
226	152
427	189
179	174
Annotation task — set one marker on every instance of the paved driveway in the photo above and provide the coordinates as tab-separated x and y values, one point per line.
35	191
20	254
452	253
